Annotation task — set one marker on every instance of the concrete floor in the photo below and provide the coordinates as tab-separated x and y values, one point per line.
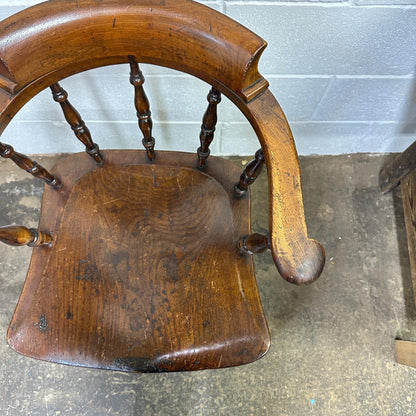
332	342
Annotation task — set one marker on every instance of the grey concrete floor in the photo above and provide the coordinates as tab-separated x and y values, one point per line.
332	347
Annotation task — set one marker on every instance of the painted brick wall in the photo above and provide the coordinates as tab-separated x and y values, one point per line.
343	72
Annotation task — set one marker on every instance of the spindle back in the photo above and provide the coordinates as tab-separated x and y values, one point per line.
142	260
50	41
66	37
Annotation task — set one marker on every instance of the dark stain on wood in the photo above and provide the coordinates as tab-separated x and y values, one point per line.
174	227
43	323
176	290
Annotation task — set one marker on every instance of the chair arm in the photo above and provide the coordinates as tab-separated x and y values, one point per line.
298	258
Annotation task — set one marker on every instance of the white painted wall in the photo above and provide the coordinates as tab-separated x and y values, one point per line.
343	72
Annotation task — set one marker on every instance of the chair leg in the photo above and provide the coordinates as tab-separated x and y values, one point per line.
209	123
77	124
29	165
250	174
142	107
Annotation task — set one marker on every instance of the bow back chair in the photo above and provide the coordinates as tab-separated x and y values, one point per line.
143	258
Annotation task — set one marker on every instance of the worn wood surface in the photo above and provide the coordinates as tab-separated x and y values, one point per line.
408	188
83	34
213	47
298	258
359	293
144	273
406	352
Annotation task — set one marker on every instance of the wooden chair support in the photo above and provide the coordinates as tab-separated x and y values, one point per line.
254	244
29	166
250	174
150	267
77	124
209	123
142	105
22	236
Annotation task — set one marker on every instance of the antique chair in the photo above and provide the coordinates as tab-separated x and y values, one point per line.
142	260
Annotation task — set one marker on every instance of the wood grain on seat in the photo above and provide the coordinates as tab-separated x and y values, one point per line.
144	274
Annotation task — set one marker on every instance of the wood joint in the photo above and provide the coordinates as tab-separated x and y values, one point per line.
77	124
20	236
29	166
254	243
249	175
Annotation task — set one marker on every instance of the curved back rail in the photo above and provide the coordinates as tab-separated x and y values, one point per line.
50	41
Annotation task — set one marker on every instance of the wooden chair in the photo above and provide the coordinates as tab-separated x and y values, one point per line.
142	260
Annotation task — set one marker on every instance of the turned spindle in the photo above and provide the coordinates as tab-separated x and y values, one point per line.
254	244
250	174
142	105
77	124
29	165
21	236
209	122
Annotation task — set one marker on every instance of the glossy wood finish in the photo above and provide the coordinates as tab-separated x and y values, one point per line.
213	47
29	165
249	175
145	271
209	122
142	105
21	236
89	34
77	124
144	274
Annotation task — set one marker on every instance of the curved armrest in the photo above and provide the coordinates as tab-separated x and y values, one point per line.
298	258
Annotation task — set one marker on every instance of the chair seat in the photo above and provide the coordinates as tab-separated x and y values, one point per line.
143	273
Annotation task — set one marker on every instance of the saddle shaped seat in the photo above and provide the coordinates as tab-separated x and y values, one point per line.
144	273
142	260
